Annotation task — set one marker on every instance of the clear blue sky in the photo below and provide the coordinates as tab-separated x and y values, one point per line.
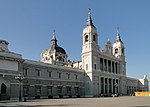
28	26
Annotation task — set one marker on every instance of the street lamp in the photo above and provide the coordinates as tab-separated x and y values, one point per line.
116	85
19	77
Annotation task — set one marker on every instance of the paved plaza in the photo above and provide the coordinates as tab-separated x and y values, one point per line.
82	102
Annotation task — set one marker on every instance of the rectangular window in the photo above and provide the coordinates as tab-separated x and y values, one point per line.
38	73
76	76
101	64
95	66
50	74
68	76
59	75
25	71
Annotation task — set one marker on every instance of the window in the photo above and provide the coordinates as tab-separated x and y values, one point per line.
95	66
76	76
50	74
59	58
86	66
122	50
116	51
38	72
59	75
25	71
94	38
86	38
68	76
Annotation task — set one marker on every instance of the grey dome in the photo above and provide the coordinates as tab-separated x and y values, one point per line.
57	48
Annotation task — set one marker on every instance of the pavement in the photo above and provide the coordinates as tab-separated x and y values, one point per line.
126	101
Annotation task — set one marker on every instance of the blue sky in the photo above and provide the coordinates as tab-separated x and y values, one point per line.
28	26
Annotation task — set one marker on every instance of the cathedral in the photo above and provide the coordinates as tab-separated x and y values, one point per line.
54	76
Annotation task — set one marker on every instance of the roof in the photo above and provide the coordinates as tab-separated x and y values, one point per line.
57	48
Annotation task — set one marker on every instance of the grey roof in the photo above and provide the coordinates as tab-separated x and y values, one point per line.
57	48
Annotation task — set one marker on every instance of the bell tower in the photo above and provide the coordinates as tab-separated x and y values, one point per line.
119	53
90	52
118	47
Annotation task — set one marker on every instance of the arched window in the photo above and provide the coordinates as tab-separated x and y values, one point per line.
122	50
3	88
94	38
60	58
86	38
116	51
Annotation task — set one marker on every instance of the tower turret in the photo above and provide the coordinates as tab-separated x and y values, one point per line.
108	48
90	36
118	47
90	52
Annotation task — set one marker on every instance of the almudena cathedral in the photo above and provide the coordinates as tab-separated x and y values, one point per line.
98	72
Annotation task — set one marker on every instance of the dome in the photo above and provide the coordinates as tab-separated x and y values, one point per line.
55	46
57	49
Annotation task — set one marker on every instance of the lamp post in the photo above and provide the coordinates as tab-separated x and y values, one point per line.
116	85
19	77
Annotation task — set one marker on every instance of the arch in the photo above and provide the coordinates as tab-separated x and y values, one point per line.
122	50
3	88
86	38
94	38
116	50
60	58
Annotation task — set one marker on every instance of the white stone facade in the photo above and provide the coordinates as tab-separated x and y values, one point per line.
98	72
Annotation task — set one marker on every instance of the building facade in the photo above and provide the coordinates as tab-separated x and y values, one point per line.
98	72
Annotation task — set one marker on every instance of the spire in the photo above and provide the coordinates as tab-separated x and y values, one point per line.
118	31
89	21
118	36
108	41
54	40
